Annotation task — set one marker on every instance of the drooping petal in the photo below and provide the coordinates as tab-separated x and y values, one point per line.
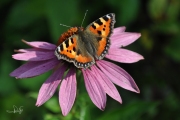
34	56
25	50
32	49
107	85
123	55
118	30
67	93
94	89
42	45
49	86
118	76
123	39
25	67
37	68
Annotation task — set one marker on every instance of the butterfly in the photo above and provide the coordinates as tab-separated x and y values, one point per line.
84	46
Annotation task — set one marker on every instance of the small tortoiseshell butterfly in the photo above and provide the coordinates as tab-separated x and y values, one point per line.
84	46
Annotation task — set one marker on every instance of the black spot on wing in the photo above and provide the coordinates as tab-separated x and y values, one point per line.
74	49
61	48
99	39
78	52
72	40
67	43
111	15
99	22
93	26
99	32
105	18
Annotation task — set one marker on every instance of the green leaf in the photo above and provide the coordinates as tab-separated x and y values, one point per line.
173	49
33	94
35	82
127	10
157	8
7	83
60	12
173	10
22	13
131	111
53	105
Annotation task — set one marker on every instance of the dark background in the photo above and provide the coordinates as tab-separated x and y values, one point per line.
158	76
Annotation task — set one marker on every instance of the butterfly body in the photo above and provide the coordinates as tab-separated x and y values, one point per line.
84	46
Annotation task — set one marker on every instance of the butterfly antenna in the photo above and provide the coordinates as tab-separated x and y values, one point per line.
84	17
64	25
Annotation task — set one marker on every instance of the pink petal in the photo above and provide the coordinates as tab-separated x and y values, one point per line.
123	55
67	92
34	56
25	67
123	39
42	45
107	85
94	89
32	49
37	68
119	30
118	76
49	86
25	50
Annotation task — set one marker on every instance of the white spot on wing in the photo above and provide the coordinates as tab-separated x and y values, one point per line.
108	16
58	49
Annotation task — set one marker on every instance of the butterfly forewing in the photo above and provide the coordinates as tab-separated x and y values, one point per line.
102	29
70	51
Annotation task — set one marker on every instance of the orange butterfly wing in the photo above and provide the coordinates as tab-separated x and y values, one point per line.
103	28
70	51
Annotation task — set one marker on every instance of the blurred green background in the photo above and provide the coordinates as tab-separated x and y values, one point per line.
158	76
